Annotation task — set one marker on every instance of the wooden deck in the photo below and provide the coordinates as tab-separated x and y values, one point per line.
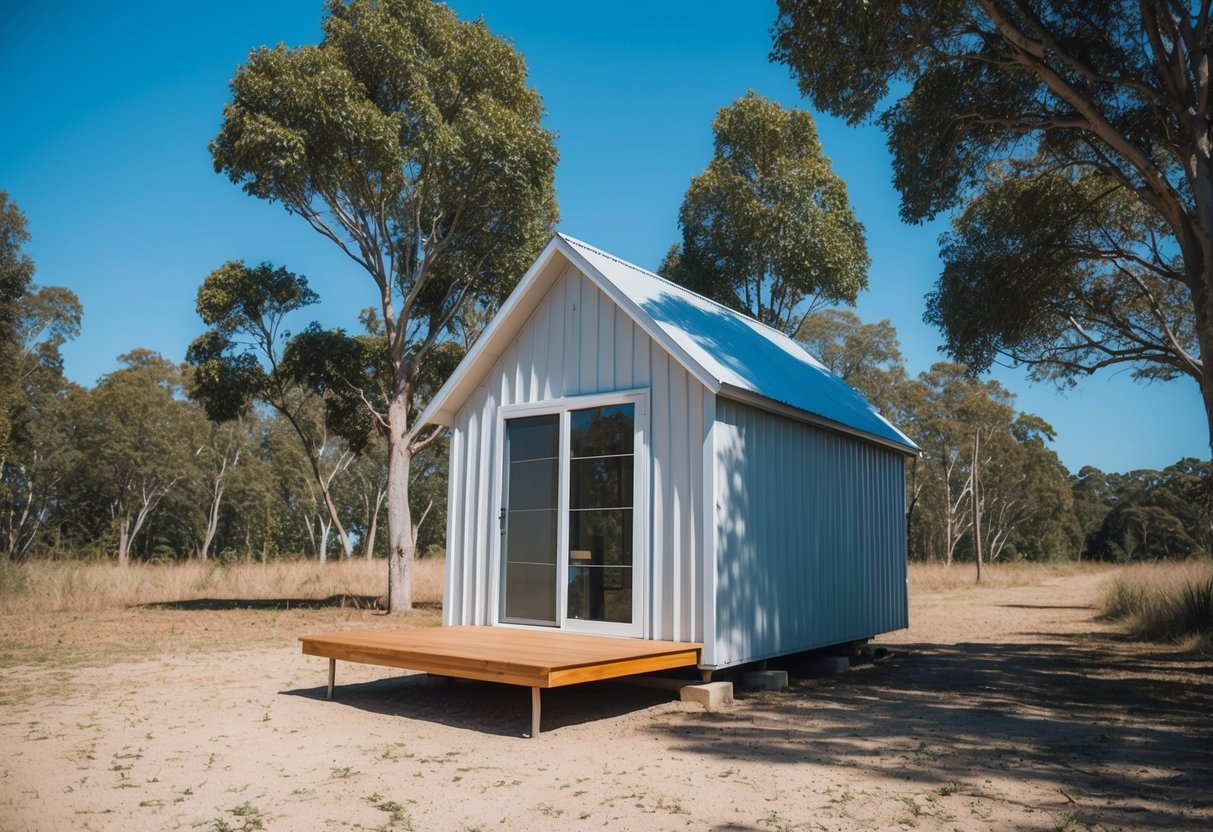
531	658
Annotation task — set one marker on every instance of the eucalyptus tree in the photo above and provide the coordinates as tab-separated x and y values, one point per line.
16	272
1073	138
767	228
411	140
219	450
134	439
866	356
37	455
241	360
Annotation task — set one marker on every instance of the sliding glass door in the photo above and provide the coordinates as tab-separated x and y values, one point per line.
569	537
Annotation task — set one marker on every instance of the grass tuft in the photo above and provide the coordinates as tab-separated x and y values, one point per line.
1164	602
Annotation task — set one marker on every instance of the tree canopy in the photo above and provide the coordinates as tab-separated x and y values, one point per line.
411	140
1073	139
16	272
767	228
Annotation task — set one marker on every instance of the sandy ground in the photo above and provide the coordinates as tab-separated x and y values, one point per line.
999	709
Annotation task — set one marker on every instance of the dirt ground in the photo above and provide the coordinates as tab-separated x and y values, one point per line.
998	709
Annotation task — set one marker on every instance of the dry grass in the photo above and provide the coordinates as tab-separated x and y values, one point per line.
66	586
1170	602
938	577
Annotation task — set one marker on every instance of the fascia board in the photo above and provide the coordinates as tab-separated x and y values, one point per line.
493	342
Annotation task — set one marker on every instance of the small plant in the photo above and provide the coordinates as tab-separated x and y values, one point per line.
250	817
948	788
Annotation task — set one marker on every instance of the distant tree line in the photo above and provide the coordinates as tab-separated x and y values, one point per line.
988	487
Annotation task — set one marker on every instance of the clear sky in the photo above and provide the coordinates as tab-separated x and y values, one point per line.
110	106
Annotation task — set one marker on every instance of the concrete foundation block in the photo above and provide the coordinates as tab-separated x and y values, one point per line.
711	695
828	666
765	679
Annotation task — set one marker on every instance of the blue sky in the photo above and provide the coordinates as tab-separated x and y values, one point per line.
110	108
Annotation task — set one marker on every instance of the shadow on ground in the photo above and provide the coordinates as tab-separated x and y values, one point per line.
1119	733
486	707
340	601
1105	732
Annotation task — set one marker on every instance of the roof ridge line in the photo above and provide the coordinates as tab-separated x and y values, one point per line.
667	281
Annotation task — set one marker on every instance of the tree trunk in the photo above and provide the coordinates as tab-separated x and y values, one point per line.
334	524
369	543
402	541
977	501
124	543
212	523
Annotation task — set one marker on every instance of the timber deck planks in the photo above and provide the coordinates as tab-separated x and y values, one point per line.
532	658
499	654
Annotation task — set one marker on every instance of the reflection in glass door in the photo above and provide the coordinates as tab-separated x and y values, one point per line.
601	485
529	516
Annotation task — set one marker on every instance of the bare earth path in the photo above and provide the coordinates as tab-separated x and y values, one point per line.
999	709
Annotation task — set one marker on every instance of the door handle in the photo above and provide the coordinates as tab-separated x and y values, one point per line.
501	520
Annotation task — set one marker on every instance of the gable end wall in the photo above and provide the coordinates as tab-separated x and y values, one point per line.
578	342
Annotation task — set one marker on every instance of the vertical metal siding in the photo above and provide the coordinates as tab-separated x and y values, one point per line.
577	342
810	537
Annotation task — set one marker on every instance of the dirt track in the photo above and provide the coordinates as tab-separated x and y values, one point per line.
999	708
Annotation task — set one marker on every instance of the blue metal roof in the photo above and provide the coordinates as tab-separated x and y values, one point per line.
738	352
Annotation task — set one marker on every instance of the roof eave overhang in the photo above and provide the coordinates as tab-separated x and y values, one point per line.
740	394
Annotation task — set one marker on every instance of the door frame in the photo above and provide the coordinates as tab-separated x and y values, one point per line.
639	398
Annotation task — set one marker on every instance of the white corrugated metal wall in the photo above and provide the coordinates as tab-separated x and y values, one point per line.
578	342
810	542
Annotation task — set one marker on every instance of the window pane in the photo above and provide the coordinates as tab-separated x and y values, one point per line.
601	482
600	537
599	593
533	437
530	592
601	431
531	537
533	484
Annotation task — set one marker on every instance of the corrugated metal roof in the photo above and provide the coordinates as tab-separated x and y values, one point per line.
739	352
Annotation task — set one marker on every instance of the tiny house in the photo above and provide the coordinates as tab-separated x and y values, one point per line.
629	458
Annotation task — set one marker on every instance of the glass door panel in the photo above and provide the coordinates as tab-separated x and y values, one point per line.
601	484
529	519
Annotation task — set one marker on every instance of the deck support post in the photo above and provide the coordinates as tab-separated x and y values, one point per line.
706	673
332	677
535	712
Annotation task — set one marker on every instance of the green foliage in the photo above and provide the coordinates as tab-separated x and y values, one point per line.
16	272
1145	514
1072	138
1057	250
39	451
408	137
132	436
866	356
411	140
245	309
1021	487
767	228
